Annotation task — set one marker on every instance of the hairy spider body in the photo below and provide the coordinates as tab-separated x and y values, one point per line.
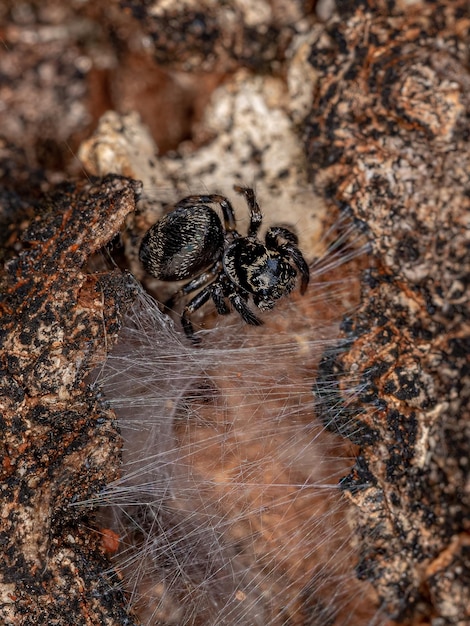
191	243
259	271
183	243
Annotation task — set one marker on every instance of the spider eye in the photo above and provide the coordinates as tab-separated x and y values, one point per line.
264	277
271	278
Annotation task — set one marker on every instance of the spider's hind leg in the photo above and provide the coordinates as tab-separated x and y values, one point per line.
193	285
193	305
213	198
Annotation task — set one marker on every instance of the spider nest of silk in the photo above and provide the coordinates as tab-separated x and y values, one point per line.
191	242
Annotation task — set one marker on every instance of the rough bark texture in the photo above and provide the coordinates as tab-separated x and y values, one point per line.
59	442
389	142
214	36
387	139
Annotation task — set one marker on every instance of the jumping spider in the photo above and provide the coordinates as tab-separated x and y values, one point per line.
191	243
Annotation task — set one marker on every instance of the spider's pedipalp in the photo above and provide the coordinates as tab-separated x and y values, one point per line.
296	256
275	233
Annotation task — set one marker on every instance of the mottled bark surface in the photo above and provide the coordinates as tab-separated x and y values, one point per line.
214	36
389	142
59	443
386	91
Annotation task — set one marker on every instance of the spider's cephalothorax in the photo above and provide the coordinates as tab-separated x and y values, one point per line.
191	243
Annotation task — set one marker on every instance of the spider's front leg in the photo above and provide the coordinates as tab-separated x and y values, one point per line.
256	217
241	307
217	293
289	250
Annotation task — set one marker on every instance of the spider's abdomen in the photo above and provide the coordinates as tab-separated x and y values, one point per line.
258	271
183	243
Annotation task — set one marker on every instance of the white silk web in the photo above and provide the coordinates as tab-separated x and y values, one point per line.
228	509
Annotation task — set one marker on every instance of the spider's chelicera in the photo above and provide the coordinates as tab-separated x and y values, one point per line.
191	243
